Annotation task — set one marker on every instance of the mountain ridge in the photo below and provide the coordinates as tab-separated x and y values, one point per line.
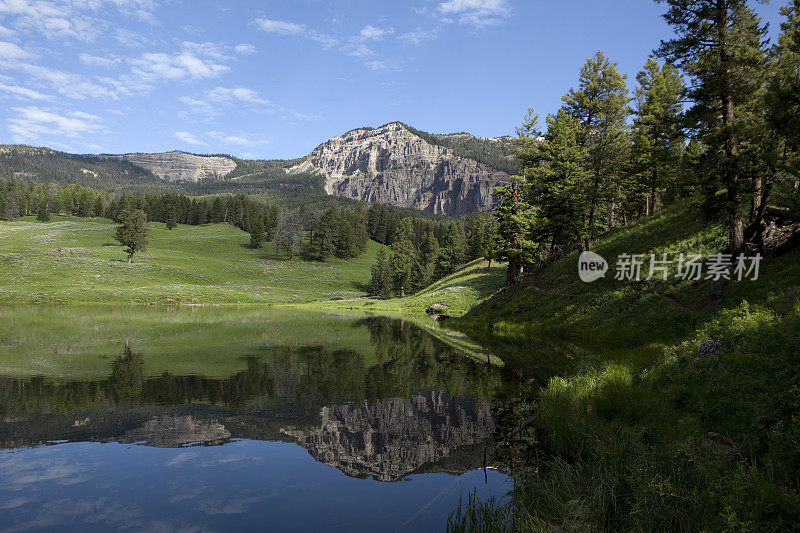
395	164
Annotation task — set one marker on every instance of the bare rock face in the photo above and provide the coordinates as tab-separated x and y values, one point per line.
392	165
389	439
180	166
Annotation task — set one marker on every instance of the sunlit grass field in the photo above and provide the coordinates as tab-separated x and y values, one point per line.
212	263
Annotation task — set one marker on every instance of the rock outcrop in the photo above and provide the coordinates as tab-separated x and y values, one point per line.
392	438
180	166
394	166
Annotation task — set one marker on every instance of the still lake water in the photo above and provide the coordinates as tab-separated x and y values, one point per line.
213	419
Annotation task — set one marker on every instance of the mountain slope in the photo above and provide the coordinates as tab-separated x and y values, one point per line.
393	165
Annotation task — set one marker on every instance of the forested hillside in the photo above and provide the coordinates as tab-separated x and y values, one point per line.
497	153
46	165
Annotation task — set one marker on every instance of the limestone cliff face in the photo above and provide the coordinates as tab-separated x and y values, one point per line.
180	166
394	166
391	438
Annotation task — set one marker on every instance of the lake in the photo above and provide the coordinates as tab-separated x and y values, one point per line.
221	418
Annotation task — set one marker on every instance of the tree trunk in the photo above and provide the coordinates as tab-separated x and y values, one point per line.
654	193
402	291
130	257
513	271
612	216
755	203
735	226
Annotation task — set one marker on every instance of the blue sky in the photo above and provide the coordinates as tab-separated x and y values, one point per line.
273	79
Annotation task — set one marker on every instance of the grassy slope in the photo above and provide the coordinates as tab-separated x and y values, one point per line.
460	292
644	312
644	434
190	264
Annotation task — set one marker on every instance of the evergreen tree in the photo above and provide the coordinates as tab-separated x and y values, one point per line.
451	250
404	255
133	232
218	211
428	254
557	172
491	243
323	241
515	216
43	214
657	137
380	282
600	103
257	234
719	45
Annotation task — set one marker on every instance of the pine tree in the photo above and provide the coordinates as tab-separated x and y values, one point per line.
43	214
133	232
404	255
600	103
657	137
428	254
257	234
782	105
451	250
515	218
557	172
217	211
380	282
719	45
323	242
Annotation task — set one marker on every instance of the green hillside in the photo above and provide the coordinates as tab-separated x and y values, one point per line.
212	263
675	403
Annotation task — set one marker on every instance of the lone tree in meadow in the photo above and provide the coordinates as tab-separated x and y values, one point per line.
133	232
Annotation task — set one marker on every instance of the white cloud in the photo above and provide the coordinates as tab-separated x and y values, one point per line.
188	138
5	32
477	13
283	27
358	49
372	33
240	139
223	95
99	61
33	122
245	49
24	92
72	19
419	35
75	86
152	66
12	52
212	102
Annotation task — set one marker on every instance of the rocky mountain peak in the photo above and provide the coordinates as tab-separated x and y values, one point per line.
393	165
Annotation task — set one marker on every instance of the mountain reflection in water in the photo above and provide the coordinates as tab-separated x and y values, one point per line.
409	408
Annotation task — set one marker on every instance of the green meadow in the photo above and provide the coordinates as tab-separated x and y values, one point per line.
212	263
